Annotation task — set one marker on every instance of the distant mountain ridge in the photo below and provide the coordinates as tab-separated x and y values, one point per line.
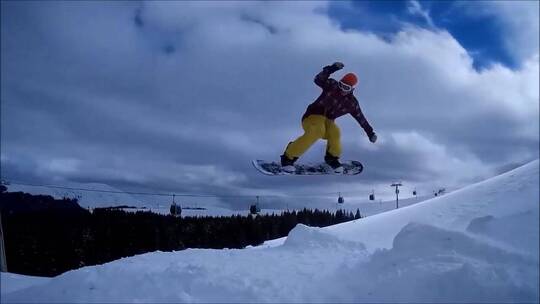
92	199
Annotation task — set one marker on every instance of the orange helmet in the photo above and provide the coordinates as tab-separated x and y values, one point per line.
349	79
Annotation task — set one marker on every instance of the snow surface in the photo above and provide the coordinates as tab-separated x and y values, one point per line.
477	244
86	199
11	282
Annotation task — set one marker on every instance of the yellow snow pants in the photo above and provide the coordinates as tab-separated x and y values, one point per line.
316	127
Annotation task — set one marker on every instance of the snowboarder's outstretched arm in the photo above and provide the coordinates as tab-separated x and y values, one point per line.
361	119
322	79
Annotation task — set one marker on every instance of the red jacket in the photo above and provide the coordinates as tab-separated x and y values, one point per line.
333	104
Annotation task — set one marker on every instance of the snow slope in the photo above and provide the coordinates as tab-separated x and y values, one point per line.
477	244
11	282
508	200
86	199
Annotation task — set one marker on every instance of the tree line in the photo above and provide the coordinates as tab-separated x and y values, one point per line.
46	236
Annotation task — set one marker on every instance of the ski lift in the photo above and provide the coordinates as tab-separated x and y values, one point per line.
175	209
254	209
372	195
439	192
340	199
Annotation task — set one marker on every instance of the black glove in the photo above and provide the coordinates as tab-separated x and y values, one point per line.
373	137
333	67
338	65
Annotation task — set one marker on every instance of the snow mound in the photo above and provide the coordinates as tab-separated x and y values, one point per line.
511	230
311	238
450	267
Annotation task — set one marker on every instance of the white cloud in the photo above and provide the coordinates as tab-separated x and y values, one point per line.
514	93
235	86
519	22
522	19
415	8
61	166
438	159
201	174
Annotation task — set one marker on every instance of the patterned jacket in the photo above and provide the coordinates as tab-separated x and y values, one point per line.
333	104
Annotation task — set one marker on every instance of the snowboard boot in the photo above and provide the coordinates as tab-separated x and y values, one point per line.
287	164
333	161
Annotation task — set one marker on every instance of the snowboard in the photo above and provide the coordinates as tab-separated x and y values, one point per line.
351	167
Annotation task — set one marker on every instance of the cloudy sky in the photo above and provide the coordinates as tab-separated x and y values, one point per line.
181	96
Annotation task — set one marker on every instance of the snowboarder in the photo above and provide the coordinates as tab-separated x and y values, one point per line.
336	100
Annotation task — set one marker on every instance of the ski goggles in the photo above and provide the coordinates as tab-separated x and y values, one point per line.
345	87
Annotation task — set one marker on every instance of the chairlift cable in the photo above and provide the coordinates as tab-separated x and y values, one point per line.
20	183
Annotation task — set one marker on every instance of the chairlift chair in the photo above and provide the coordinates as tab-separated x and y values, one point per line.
175	209
254	209
340	200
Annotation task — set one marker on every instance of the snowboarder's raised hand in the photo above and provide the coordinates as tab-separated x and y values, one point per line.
373	137
327	70
338	65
